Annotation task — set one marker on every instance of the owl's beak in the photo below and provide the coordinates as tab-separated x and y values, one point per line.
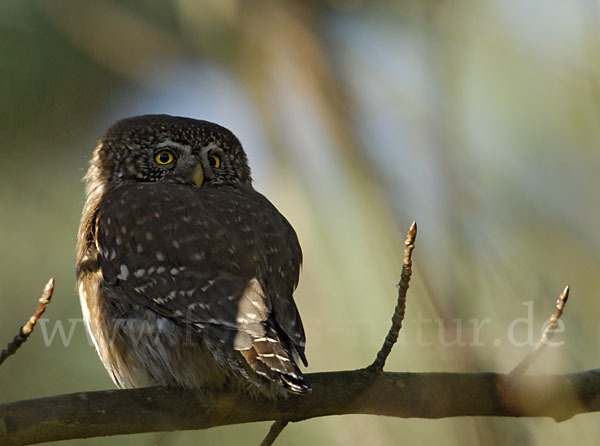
198	175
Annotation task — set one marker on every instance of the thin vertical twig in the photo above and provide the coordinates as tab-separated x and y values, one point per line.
398	317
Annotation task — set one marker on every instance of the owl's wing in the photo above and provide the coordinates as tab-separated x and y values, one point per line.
204	261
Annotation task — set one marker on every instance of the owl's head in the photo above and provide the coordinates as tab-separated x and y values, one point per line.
153	148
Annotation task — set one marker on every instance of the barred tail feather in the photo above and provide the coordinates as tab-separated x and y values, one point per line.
268	358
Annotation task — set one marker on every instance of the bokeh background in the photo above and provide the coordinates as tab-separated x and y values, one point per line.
478	119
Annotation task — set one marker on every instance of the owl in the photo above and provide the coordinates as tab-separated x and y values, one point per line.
185	273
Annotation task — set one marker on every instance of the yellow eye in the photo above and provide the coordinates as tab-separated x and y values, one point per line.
164	157
214	161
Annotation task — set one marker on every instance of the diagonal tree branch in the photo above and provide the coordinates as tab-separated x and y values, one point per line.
276	428
27	329
546	336
405	395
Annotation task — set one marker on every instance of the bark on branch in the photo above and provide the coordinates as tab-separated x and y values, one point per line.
404	395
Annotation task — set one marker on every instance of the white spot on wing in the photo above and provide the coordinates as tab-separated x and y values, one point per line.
124	273
207	286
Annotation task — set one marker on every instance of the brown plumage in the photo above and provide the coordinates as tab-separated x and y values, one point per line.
185	272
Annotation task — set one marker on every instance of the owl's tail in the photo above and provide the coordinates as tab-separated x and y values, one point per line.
270	359
266	349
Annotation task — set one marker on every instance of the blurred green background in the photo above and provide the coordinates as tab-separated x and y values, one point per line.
479	119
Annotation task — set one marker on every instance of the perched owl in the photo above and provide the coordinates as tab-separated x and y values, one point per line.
185	273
